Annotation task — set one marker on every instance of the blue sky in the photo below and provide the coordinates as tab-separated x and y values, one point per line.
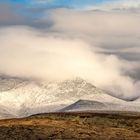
71	3
25	5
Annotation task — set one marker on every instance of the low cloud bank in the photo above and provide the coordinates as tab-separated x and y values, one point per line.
27	52
98	46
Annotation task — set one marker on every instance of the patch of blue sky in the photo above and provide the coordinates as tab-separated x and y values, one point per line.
53	3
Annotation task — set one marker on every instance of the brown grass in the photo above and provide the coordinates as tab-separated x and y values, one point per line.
96	126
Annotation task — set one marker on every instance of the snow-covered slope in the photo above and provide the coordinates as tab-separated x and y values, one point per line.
20	97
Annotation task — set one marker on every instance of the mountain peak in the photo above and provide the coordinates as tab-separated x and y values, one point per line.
77	83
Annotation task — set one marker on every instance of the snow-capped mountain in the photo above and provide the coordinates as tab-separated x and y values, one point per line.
21	97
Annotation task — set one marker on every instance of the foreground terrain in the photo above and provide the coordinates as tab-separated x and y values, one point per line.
97	126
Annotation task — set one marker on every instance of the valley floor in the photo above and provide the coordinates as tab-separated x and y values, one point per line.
94	126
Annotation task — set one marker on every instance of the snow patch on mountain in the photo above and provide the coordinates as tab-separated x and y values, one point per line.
20	97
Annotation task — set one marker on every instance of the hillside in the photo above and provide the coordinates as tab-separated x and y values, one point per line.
97	126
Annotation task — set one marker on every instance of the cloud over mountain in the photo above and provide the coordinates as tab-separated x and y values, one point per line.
34	54
100	46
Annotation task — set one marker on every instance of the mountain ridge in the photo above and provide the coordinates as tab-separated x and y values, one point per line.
22	97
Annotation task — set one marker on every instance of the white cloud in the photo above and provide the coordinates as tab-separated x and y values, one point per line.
118	5
34	54
115	33
80	43
110	31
